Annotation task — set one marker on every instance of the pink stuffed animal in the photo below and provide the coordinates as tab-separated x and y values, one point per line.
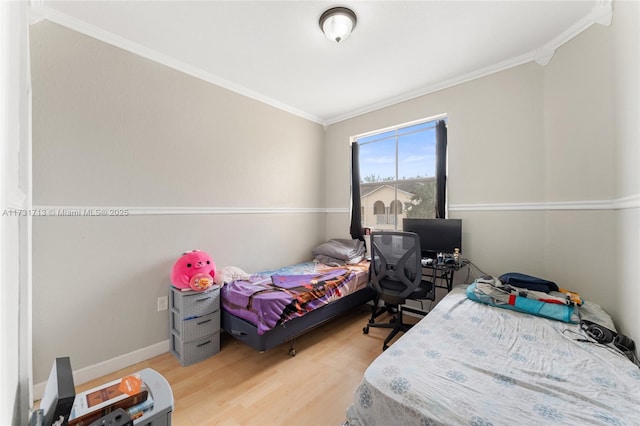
194	269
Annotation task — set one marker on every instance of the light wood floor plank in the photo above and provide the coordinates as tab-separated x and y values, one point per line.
240	386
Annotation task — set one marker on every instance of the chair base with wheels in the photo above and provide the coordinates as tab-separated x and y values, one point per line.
377	310
396	323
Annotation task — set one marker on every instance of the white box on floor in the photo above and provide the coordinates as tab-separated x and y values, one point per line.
160	414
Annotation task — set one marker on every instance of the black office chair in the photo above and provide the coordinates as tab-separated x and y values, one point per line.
396	276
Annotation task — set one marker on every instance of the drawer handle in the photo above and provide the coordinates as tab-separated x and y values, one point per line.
204	322
202	344
203	299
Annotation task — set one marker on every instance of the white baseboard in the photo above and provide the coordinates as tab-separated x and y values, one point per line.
91	372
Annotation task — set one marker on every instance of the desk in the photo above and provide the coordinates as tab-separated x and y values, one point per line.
442	272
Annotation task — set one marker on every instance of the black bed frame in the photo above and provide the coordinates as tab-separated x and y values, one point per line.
287	332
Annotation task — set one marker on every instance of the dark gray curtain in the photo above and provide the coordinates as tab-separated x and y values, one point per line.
441	167
356	216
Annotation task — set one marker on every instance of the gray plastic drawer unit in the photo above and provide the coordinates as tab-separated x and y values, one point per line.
192	303
194	324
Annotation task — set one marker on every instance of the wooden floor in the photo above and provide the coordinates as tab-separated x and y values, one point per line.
240	386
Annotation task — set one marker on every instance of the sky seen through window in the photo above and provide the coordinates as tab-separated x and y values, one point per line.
416	153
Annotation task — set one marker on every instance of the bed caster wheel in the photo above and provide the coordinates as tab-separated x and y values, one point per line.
292	352
365	330
392	320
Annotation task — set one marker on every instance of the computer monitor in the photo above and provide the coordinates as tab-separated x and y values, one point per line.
436	235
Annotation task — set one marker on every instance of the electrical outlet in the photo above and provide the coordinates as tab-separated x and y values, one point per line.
163	303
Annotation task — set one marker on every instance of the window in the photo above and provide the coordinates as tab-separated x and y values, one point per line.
378	207
401	174
396	207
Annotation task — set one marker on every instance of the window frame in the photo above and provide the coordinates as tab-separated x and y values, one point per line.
398	129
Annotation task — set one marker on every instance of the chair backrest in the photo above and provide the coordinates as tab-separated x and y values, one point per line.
396	269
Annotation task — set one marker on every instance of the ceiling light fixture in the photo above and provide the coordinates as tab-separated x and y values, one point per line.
337	23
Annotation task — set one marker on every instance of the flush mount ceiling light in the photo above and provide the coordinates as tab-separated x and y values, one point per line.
337	23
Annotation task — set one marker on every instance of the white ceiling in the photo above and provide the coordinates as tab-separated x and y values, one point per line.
274	51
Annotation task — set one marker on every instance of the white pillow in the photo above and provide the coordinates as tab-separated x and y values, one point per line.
228	274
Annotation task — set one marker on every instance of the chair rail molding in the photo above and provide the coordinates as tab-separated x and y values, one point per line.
122	211
629	202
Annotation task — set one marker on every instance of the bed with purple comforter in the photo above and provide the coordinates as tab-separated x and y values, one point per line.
274	307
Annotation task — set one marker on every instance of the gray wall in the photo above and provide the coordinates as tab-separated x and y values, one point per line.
624	51
195	165
543	165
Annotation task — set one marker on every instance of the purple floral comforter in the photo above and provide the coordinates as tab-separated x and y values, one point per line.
274	297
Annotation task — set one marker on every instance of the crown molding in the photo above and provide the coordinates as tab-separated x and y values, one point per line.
474	75
41	11
36	11
601	14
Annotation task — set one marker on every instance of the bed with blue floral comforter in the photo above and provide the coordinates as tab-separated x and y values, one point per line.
467	363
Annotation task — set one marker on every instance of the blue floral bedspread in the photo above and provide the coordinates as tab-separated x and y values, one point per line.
467	363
